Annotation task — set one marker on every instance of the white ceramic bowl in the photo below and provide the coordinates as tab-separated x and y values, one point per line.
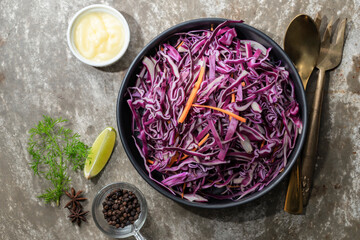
98	8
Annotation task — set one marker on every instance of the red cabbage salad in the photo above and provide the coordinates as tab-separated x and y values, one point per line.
213	117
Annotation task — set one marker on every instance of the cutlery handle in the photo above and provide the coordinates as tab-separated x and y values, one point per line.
293	200
309	153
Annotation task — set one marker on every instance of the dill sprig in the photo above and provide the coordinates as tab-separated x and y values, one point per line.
53	149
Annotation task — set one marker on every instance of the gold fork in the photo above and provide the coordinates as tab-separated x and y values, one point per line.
329	58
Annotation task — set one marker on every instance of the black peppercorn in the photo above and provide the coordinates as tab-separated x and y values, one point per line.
121	208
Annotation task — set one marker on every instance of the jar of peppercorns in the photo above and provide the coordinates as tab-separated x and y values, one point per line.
119	210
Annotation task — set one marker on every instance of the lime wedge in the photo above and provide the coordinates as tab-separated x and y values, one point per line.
100	152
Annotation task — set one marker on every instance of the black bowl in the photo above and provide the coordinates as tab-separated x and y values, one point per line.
123	113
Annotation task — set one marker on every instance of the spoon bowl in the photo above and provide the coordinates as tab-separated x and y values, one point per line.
302	44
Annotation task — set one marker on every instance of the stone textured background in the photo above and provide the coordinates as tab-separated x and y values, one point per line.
39	75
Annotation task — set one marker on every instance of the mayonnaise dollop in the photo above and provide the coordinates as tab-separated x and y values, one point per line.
98	36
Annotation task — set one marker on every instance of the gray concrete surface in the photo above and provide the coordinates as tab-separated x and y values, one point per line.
39	75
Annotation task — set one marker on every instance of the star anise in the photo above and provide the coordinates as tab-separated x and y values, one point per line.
74	203
77	216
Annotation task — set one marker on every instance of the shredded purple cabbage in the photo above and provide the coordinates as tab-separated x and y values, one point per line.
237	158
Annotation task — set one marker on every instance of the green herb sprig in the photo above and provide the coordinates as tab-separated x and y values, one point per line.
54	149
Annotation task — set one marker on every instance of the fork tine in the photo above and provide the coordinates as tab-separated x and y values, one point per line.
341	32
318	20
327	33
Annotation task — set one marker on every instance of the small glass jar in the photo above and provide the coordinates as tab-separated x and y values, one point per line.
104	226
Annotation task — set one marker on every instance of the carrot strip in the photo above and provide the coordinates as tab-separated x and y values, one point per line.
243	84
241	119
262	144
182	194
233	97
150	161
204	140
192	96
180	44
200	143
162	48
173	159
275	149
272	155
232	100
212	27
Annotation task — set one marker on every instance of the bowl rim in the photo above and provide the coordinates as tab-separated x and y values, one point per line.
104	8
295	153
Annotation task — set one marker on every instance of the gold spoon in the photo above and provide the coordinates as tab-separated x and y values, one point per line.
302	44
